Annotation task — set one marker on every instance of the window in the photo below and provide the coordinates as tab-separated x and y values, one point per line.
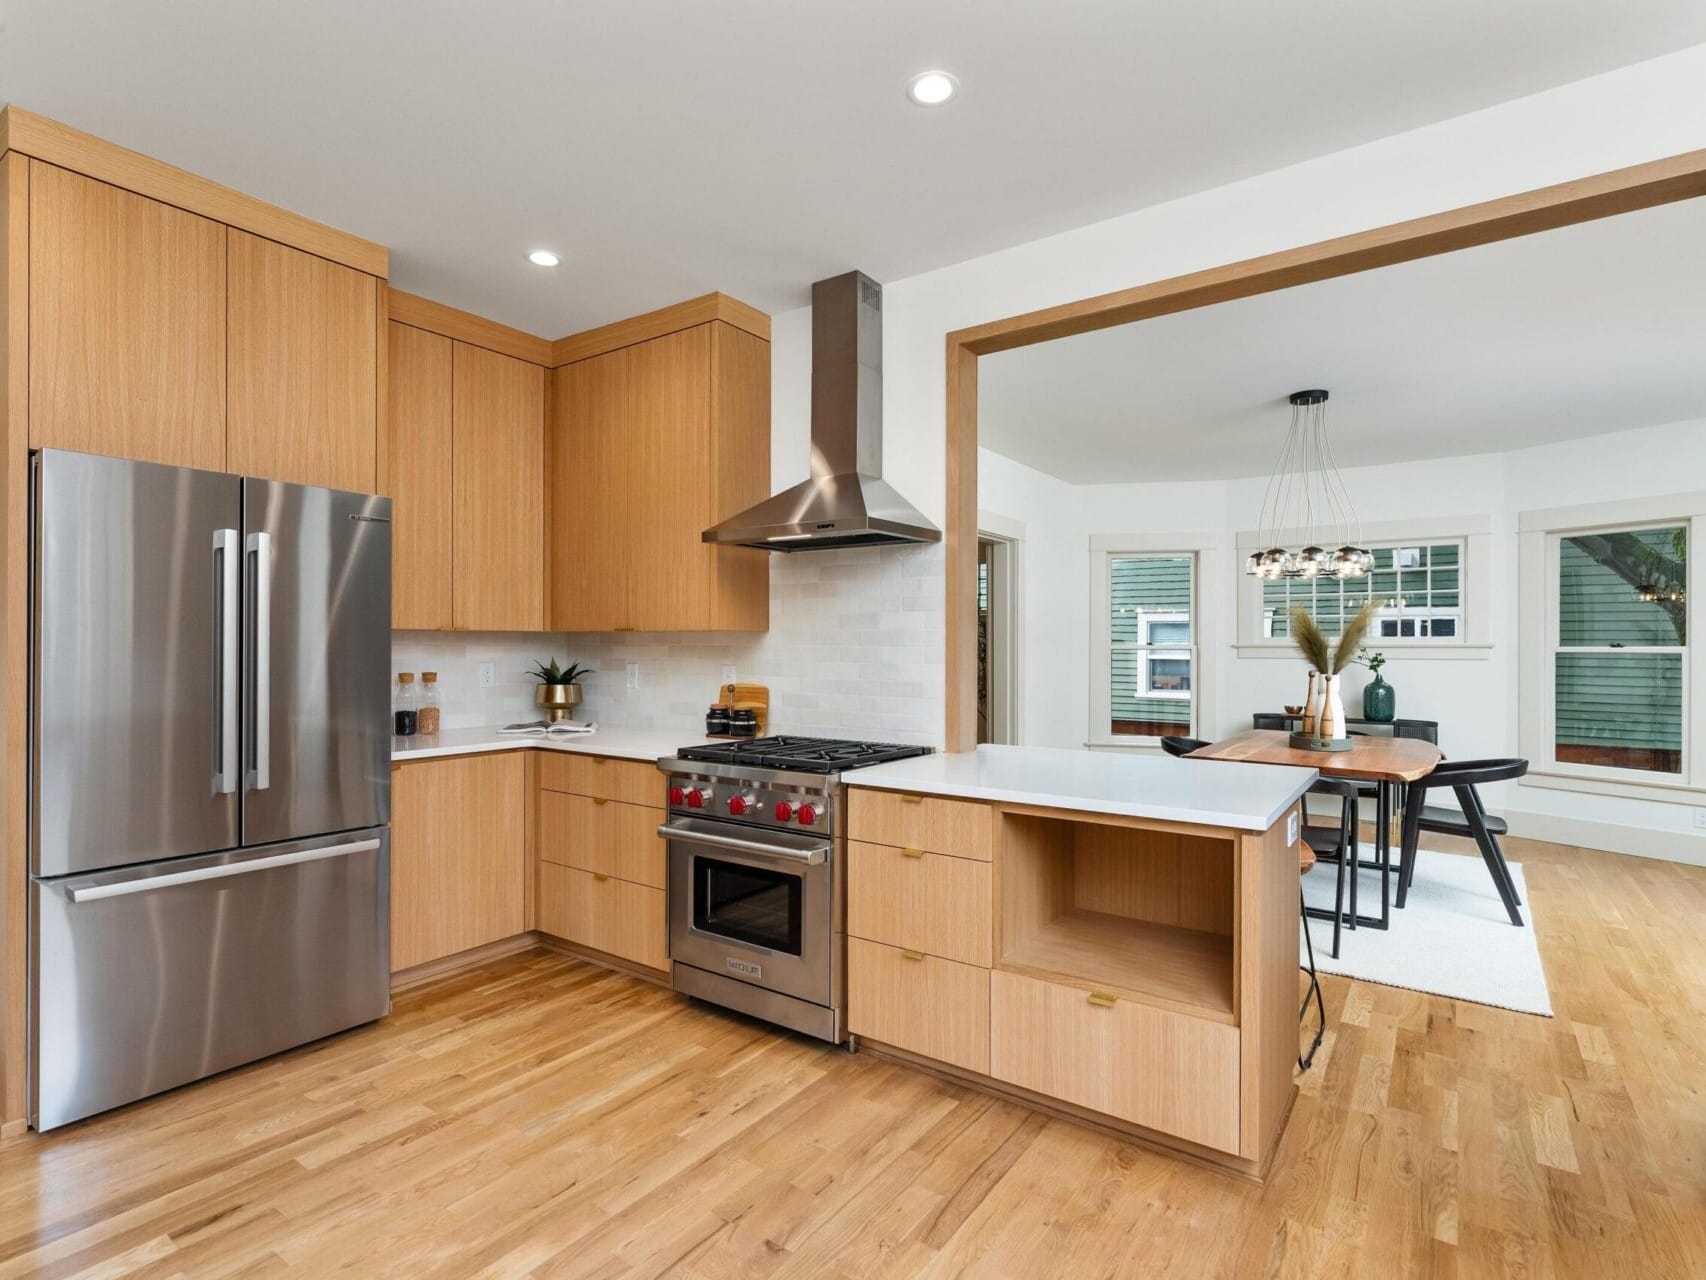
1151	644
1619	650
1419	587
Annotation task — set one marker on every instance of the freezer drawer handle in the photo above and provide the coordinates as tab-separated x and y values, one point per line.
147	884
225	661
259	545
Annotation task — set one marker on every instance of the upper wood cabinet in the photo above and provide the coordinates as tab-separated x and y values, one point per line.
302	344
127	324
648	446
420	461
497	480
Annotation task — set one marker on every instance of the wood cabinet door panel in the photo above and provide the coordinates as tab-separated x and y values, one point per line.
1163	1070
127	324
303	346
602	836
630	781
920	1003
922	901
604	913
498	482
959	828
458	855
419	440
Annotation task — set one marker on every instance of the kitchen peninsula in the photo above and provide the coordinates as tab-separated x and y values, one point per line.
1107	935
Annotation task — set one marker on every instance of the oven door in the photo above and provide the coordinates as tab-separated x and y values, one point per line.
755	907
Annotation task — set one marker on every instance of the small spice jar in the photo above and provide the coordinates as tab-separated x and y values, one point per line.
743	723
717	722
427	720
406	703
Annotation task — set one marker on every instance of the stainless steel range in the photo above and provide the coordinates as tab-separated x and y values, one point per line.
757	900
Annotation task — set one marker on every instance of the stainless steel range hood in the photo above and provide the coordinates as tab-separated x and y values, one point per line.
846	502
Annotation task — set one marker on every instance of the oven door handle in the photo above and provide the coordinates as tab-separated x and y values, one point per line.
808	857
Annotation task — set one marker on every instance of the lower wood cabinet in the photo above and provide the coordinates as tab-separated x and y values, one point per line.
918	1002
1163	1070
458	855
630	781
599	911
602	836
962	828
923	901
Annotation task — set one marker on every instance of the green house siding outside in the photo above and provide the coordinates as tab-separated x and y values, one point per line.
1139	588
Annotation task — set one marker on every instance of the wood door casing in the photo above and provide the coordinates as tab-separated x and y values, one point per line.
302	345
420	474
497	474
458	855
127	324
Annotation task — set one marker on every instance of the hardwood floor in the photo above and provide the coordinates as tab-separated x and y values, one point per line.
543	1117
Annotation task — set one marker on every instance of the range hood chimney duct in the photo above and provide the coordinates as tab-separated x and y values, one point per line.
846	502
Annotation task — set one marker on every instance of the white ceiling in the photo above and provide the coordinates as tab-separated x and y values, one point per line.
670	147
1570	333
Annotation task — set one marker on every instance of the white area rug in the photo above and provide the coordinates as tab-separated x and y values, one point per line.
1452	938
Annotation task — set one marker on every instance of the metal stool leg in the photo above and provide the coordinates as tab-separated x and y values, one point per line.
1305	1060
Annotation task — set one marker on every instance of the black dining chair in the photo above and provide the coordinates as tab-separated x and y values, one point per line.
1336	843
1469	819
1176	746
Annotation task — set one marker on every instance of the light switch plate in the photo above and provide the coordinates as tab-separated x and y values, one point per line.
633	676
728	673
488	674
1700	818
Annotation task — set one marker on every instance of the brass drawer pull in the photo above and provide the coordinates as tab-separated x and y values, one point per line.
912	853
913	955
601	799
1102	1000
912	799
600	877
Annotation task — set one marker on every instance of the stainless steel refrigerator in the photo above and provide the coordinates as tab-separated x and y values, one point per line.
210	774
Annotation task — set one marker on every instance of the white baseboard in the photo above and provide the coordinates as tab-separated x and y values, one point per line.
1642	842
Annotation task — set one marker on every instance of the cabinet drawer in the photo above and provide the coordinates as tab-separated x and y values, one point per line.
603	913
961	828
1165	1071
630	781
919	1002
604	836
925	901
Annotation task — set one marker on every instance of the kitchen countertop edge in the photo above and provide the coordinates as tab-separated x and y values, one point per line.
648	745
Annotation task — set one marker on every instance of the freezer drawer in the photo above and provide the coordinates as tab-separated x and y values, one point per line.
154	976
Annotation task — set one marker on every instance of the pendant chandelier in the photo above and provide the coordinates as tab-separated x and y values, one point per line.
1306	493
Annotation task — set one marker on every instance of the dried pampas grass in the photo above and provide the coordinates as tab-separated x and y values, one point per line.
1314	647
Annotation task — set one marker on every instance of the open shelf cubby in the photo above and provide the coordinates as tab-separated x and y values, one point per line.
1143	914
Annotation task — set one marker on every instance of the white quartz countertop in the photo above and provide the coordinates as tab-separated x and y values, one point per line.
623	744
1215	793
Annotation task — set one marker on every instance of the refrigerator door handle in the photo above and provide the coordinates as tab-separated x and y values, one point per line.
225	668
146	884
259	545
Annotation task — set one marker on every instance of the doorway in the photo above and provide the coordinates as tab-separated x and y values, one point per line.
998	639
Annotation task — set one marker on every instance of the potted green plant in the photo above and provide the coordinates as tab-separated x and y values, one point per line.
1323	726
1379	699
559	691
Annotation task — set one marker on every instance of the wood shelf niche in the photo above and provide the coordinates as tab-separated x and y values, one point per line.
1142	915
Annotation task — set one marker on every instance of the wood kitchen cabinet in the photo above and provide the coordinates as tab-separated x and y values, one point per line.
649	445
303	348
466	441
127	323
458	855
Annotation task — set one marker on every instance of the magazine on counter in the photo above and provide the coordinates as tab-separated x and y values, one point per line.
560	729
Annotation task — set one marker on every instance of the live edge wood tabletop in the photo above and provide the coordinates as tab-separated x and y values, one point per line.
1377	759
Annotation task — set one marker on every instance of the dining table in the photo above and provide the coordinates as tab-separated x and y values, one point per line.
1389	763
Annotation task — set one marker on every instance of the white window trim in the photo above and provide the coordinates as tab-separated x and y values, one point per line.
1208	551
1475	532
1537	621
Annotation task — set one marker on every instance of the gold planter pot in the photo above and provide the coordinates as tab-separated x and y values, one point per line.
558	701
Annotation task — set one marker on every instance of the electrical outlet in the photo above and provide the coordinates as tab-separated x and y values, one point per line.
1291	827
488	674
633	676
1700	818
728	673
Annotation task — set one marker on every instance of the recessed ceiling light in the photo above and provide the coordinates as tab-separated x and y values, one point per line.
543	258
932	88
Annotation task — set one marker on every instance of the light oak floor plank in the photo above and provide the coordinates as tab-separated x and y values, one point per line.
543	1117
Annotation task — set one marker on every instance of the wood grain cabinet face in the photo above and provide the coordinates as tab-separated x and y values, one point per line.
127	324
458	855
959	828
630	781
920	1003
499	497
302	344
420	459
651	445
602	836
921	901
610	915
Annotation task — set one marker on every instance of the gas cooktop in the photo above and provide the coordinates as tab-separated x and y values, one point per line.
804	755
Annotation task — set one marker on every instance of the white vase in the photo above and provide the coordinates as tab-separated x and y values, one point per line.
1311	708
1332	720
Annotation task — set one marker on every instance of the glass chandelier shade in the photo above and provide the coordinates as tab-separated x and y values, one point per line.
1307	495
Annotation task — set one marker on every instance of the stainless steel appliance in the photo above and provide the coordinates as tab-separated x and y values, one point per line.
757	899
210	774
845	502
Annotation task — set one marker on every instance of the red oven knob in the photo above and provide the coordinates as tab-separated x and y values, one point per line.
738	805
696	797
677	795
808	814
784	811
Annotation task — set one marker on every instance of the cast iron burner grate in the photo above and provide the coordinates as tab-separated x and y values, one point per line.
807	755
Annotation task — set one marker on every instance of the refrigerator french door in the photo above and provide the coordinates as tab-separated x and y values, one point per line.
210	775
